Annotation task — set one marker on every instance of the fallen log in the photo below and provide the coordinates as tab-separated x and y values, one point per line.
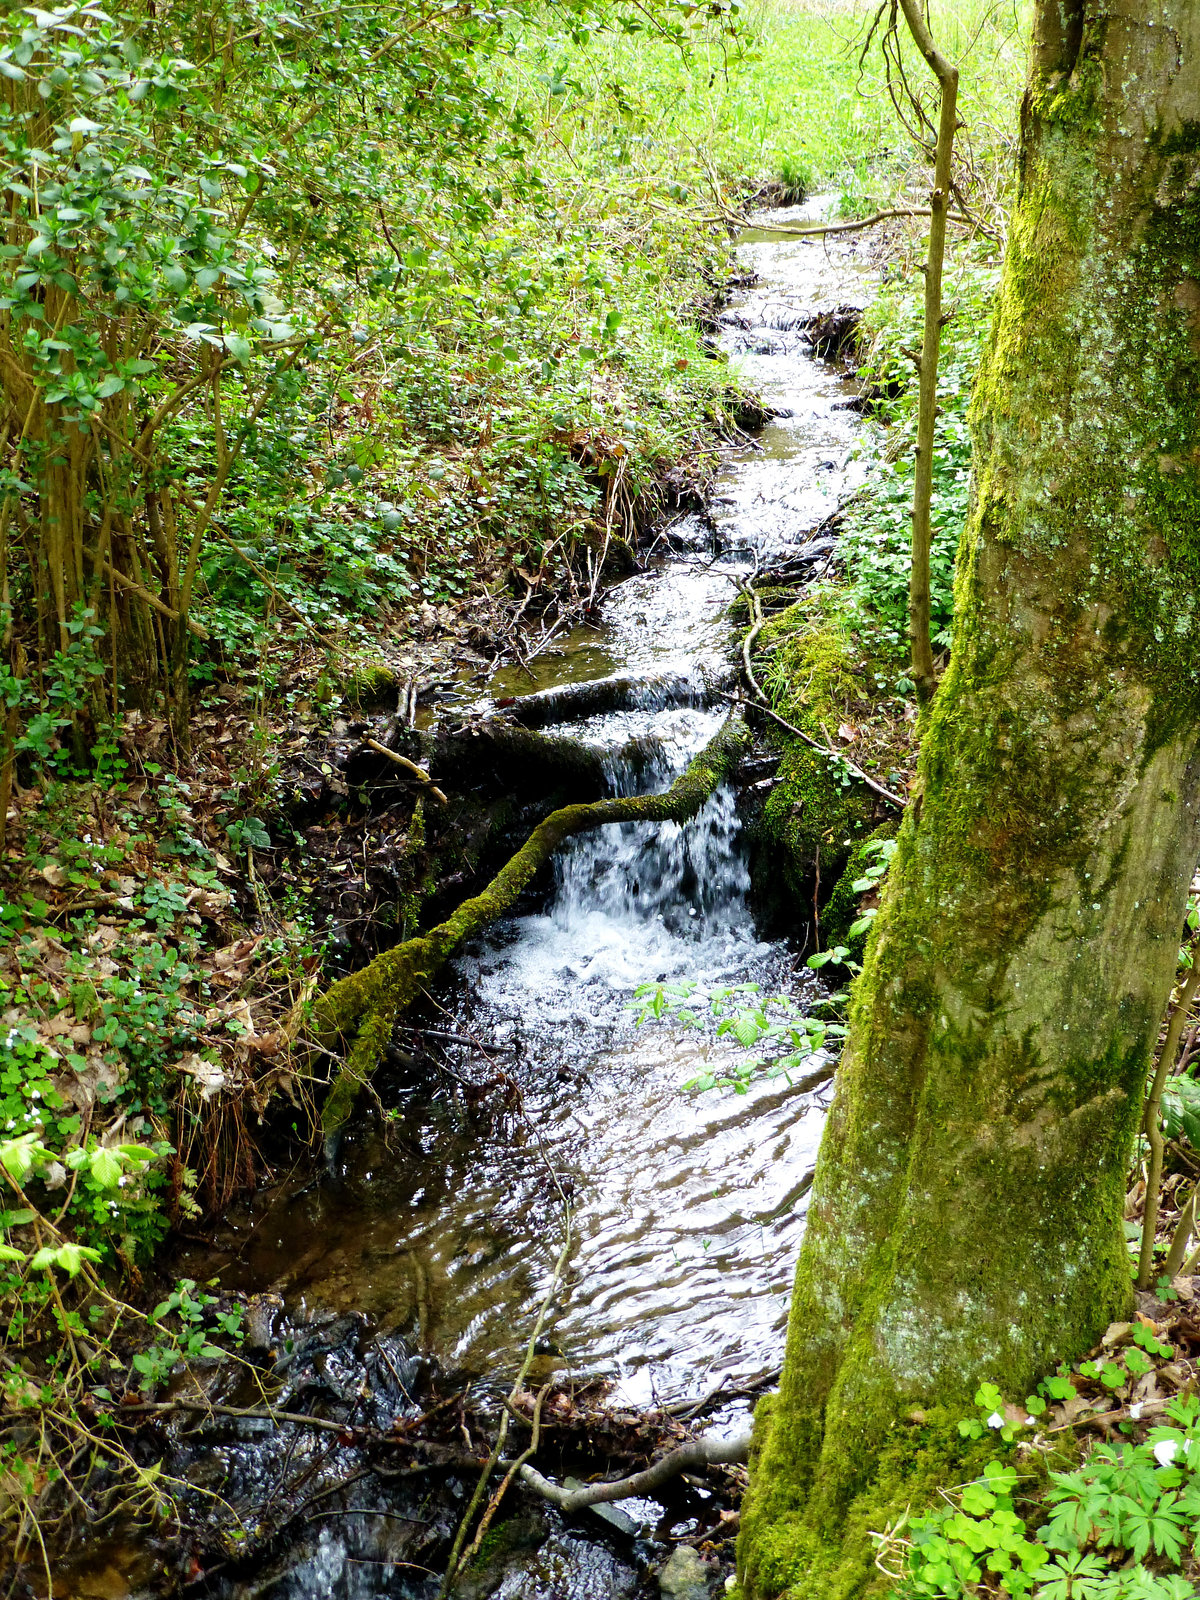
518	755
360	1011
696	1453
623	692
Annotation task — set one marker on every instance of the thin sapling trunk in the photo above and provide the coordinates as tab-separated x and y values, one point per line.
939	202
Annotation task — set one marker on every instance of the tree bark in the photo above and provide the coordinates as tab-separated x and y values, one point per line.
966	1213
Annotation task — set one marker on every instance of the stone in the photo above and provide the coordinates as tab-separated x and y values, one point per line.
685	1575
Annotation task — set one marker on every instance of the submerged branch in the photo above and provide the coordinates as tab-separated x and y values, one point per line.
696	1453
363	1007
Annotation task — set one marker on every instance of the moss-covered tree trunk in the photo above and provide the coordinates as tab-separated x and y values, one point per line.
966	1214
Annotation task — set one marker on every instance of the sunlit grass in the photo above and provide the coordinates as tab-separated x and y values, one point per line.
801	99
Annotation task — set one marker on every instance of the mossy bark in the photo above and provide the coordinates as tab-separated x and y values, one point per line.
361	1009
966	1213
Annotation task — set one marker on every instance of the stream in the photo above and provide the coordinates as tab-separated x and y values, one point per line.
687	1210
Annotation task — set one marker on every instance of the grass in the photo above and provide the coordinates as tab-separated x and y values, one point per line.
800	101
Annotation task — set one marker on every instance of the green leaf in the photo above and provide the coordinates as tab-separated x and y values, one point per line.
106	1167
72	1256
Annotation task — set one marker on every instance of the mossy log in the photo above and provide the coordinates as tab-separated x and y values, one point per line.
622	692
361	1010
519	756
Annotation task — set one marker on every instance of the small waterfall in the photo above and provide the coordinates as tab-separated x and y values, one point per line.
633	902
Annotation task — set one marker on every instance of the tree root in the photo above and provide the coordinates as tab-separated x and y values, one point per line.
363	1007
696	1453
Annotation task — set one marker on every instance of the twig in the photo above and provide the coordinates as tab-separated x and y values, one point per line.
765	705
256	1414
1166	1060
526	1455
687	1410
1107	1416
455	1563
410	766
696	1453
464	1038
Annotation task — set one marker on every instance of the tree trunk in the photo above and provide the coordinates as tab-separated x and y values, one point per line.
966	1214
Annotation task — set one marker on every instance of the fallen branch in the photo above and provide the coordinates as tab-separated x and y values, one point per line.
696	1453
834	755
363	1007
409	766
819	231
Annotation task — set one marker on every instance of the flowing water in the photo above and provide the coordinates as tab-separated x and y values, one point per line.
686	1210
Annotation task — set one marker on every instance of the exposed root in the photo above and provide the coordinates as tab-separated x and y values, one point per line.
363	1007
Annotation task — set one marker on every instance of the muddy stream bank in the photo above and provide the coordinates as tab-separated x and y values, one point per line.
419	1259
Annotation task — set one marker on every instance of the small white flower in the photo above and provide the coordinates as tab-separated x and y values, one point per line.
1165	1450
35	1094
1135	1410
995	1420
1031	1422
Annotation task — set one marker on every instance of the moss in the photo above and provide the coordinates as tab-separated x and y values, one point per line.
809	825
791	1557
817	812
370	683
845	903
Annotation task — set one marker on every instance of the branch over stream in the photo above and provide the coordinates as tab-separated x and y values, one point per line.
695	1453
362	1009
